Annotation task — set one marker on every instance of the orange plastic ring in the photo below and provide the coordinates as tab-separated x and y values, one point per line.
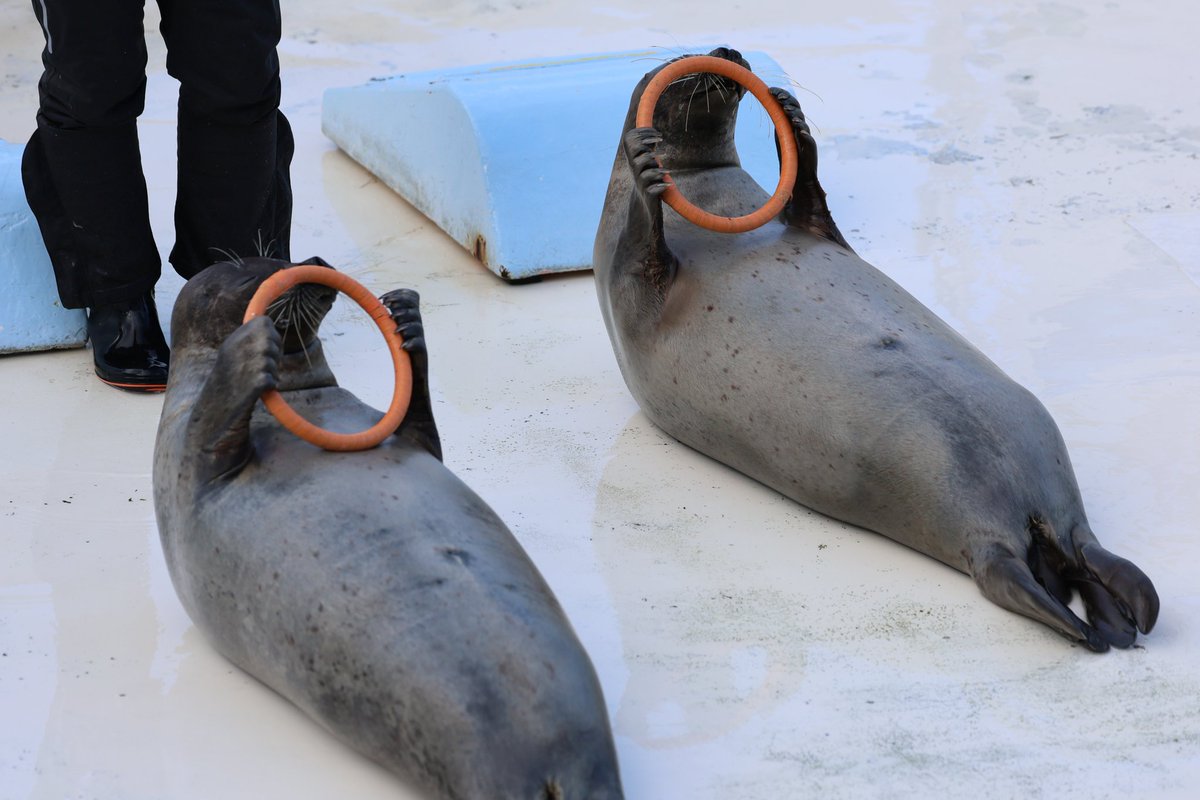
783	127
285	279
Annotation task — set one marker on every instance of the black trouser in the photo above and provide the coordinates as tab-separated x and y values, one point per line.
82	169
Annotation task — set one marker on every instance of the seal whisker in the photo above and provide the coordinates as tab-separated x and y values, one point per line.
312	313
657	59
684	79
687	115
286	314
303	320
229	255
307	310
716	84
264	251
802	87
277	308
676	51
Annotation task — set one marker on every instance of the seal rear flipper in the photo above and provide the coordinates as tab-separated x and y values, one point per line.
218	426
1008	582
1119	598
1117	587
418	423
1106	616
807	209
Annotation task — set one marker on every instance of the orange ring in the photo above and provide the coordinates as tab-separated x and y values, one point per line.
783	127
285	279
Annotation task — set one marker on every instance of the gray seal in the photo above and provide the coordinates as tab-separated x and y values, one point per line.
372	589
784	355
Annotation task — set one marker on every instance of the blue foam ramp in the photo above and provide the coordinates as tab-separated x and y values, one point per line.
512	160
31	317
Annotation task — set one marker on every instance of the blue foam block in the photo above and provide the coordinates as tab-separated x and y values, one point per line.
512	160
31	317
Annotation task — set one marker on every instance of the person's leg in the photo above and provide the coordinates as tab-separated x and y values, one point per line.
235	146
82	167
83	179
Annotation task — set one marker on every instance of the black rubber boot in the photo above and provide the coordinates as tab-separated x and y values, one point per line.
128	345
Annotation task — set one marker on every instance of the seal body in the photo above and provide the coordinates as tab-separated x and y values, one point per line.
373	589
783	354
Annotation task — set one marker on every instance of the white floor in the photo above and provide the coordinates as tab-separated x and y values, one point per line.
1030	170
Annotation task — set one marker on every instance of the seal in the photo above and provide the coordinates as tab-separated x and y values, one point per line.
783	354
373	589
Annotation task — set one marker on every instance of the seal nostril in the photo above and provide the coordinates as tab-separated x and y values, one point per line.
552	791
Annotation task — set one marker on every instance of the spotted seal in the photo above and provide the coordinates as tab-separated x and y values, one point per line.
783	354
373	589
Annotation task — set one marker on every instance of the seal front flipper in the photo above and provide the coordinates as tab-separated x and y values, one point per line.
218	426
643	232
418	423
807	209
